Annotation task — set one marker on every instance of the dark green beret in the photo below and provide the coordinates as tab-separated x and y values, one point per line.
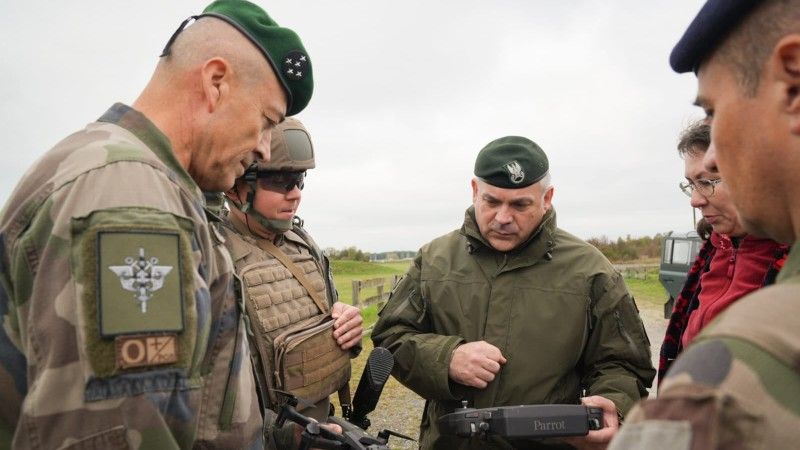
511	162
280	46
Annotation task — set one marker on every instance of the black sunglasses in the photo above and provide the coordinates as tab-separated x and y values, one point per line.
282	182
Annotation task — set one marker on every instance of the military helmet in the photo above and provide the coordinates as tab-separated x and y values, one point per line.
291	149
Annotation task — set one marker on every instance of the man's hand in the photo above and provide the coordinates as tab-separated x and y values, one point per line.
347	328
475	364
598	439
298	431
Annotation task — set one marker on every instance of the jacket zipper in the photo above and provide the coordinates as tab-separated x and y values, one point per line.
732	263
624	333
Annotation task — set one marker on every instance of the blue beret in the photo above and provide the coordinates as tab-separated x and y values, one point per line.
713	23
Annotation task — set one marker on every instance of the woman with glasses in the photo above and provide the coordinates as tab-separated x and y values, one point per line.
730	264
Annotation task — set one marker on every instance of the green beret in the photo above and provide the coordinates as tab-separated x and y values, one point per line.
280	46
511	162
291	149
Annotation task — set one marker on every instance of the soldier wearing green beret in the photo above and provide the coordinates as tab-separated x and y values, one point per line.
738	384
510	310
275	258
120	327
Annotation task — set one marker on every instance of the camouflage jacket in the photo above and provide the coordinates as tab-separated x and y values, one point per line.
120	327
737	386
555	307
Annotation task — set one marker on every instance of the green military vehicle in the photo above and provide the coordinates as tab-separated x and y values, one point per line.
678	252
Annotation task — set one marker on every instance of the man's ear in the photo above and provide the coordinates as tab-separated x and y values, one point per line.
547	198
216	75
787	58
474	185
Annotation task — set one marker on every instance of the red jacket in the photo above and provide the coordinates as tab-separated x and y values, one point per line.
734	271
688	302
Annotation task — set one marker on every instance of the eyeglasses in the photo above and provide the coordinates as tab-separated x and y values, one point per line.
282	182
704	187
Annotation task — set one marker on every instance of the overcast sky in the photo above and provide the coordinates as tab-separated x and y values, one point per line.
406	94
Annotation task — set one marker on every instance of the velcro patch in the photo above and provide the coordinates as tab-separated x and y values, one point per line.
136	271
139	284
146	350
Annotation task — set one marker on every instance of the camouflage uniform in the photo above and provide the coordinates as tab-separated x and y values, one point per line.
738	384
85	362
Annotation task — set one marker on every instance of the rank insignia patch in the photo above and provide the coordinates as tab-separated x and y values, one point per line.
146	350
295	65
139	283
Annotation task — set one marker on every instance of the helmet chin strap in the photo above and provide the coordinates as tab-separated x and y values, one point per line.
248	207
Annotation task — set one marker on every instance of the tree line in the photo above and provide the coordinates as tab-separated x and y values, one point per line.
629	249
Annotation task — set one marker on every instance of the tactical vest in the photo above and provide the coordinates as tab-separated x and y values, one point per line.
291	335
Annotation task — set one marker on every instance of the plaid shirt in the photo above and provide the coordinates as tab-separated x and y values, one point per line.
688	301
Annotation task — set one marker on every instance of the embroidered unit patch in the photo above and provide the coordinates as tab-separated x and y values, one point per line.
139	287
146	350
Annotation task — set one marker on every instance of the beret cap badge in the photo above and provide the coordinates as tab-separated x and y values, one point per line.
515	172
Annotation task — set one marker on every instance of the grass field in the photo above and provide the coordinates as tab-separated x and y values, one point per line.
344	272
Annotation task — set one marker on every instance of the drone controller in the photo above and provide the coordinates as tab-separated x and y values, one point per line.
523	422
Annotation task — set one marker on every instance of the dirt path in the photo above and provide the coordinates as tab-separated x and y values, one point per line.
400	409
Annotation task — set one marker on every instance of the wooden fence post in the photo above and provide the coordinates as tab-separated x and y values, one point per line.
356	288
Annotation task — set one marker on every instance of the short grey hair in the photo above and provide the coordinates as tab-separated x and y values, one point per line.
546	181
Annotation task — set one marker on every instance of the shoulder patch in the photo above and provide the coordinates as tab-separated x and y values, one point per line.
706	362
138	283
134	269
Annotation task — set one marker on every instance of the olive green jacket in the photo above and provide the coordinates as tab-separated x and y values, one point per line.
555	307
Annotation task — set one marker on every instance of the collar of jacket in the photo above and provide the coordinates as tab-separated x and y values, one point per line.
252	240
137	123
539	246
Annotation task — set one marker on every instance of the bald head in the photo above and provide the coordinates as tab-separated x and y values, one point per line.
216	97
210	38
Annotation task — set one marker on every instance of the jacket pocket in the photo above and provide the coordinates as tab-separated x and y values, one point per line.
111	439
308	361
639	350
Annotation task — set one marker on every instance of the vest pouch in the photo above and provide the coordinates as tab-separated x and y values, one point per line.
308	361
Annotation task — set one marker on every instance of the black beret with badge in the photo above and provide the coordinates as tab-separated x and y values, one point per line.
714	22
280	46
511	162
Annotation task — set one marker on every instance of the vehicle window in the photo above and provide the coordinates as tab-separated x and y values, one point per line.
668	251
695	250
681	252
